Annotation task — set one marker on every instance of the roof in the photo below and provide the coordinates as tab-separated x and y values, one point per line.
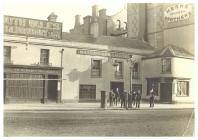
170	51
108	40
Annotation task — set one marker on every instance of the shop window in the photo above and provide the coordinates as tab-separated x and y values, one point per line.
119	70
7	54
135	72
152	84
44	57
96	68
166	65
87	92
182	88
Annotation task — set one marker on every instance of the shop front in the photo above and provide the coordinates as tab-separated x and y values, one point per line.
28	84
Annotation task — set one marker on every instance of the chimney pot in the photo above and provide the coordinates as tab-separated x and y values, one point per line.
102	12
52	17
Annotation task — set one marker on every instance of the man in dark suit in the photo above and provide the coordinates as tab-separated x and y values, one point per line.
152	97
138	99
133	100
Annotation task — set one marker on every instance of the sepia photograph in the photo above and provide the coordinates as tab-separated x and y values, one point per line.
96	68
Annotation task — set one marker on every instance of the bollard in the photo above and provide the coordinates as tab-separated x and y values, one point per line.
103	100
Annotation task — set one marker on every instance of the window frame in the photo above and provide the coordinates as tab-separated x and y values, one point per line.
87	92
187	90
7	57
42	58
100	68
135	74
164	64
119	75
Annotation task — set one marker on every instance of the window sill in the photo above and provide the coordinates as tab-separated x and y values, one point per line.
166	72
96	77
182	95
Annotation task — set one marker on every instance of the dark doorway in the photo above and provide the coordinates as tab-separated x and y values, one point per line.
119	85
137	87
166	92
52	88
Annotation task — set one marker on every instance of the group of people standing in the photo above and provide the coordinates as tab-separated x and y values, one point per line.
128	99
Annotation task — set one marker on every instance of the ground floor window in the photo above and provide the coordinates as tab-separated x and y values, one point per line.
152	84
182	88
87	92
27	86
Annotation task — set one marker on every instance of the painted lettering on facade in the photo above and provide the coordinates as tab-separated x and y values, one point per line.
178	12
32	27
104	54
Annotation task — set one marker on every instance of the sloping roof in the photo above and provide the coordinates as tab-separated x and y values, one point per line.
108	40
170	51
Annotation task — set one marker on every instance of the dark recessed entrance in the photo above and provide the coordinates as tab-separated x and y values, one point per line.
119	85
166	92
52	88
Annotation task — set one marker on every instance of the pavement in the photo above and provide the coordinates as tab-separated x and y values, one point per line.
86	106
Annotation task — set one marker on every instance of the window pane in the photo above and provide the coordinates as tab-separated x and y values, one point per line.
135	73
119	70
44	57
7	54
182	88
96	68
166	65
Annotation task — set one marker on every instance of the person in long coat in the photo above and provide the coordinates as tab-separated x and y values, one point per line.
122	98
152	97
133	100
111	98
138	99
117	96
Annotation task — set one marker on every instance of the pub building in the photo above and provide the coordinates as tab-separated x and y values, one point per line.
43	64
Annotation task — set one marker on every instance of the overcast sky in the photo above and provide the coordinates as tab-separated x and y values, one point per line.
66	10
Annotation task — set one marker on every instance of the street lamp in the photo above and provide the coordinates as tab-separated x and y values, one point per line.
131	61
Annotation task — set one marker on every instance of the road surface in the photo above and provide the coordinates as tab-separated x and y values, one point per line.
165	122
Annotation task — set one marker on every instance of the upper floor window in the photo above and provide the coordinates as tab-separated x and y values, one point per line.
119	69
182	88
44	57
135	72
7	54
96	68
166	65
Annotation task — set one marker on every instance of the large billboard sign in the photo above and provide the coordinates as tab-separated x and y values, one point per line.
178	12
32	27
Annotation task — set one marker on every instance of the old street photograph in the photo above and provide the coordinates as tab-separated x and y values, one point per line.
98	69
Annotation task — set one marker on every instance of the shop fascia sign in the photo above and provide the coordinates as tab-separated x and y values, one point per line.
178	12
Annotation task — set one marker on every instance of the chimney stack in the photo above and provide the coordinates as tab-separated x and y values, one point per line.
52	17
95	10
87	21
102	12
77	20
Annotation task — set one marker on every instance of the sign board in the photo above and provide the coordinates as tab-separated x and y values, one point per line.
32	27
104	54
178	12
